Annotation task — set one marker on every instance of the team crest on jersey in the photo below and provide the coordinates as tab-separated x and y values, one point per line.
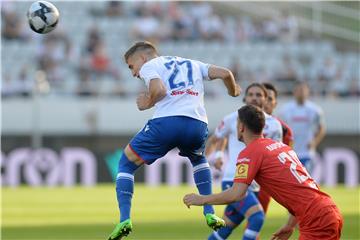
242	171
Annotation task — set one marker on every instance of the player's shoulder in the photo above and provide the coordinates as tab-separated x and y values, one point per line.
271	120
313	106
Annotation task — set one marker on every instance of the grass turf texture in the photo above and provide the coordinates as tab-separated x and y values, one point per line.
158	213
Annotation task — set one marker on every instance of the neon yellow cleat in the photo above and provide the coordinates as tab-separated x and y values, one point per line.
214	221
121	230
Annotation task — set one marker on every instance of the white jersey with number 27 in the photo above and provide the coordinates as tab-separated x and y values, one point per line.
183	79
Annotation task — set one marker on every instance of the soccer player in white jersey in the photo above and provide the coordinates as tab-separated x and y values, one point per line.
250	207
175	88
305	118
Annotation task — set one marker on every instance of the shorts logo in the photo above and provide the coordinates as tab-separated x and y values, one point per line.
146	128
242	171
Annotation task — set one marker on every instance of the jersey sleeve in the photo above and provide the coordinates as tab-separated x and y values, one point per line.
204	69
148	72
247	167
223	129
277	133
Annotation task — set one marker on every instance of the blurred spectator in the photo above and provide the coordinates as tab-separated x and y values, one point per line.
86	86
326	74
8	88
114	8
93	39
23	83
110	9
286	76
270	29
100	63
211	28
339	86
54	52
146	27
12	27
289	28
182	26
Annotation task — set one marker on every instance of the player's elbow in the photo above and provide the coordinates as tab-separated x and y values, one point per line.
216	72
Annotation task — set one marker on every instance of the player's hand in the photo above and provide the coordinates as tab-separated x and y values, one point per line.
236	92
193	199
142	101
283	233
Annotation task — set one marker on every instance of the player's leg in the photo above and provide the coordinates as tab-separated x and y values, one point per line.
145	147
128	164
232	220
254	213
231	216
191	144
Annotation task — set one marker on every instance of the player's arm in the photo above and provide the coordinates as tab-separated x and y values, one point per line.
233	194
318	136
227	76
286	231
157	91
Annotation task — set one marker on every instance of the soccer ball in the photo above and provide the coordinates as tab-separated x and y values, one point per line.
42	17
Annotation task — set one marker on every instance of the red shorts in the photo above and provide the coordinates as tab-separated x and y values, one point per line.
326	225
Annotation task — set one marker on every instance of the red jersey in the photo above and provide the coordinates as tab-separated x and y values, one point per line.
288	137
277	169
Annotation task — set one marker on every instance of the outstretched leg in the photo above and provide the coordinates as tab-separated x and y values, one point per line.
124	192
202	178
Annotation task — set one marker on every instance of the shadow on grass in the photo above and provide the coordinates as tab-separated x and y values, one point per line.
151	231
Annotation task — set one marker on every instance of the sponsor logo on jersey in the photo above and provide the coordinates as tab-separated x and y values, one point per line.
242	171
243	160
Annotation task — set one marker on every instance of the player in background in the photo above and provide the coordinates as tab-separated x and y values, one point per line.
226	134
287	136
276	167
306	120
175	87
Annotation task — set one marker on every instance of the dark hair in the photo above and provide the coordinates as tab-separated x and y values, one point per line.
270	86
252	117
259	85
140	46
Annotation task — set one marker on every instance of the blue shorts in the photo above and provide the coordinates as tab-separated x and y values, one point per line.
306	162
236	211
160	135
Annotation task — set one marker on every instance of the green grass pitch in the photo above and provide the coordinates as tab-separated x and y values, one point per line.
158	213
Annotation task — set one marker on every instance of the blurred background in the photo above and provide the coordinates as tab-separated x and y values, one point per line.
68	98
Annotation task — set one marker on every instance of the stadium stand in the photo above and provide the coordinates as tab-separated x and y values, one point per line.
263	49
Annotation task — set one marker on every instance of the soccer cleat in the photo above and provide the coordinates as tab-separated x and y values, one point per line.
121	230
214	221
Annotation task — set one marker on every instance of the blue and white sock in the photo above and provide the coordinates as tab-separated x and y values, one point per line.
202	178
125	186
221	234
255	223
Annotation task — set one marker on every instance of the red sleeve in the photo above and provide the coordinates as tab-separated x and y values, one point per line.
248	164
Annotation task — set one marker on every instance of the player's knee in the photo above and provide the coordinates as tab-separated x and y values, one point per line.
126	166
195	161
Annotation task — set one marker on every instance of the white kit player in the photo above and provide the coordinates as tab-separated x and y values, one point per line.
226	134
306	120
175	88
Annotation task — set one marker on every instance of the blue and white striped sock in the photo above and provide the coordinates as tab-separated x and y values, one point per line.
202	178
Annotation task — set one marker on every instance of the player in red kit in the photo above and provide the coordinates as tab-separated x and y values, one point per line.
276	167
287	138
